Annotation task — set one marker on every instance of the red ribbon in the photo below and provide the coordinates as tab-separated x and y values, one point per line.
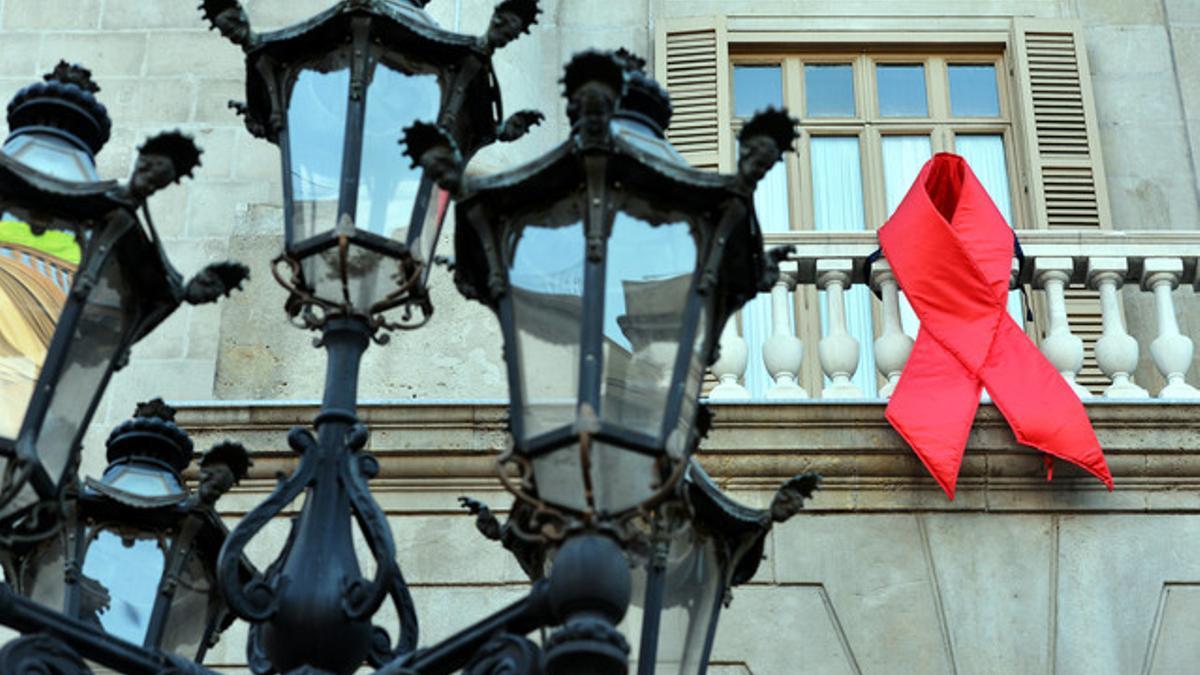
951	252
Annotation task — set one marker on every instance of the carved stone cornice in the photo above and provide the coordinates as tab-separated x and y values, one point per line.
1153	451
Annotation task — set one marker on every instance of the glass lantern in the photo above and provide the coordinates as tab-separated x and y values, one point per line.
335	93
80	280
137	552
612	266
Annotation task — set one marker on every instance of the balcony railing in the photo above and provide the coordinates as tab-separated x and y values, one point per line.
1102	261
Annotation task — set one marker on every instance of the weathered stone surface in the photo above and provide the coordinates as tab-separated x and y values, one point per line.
876	572
994	584
1110	577
106	54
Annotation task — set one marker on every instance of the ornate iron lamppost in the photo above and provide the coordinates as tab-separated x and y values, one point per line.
136	554
360	227
82	278
333	92
612	267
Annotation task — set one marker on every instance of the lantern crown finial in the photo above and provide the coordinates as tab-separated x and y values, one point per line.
229	18
63	104
593	83
432	148
151	433
763	140
73	73
773	123
510	20
644	97
163	159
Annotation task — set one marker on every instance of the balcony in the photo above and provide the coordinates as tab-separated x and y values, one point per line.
1057	264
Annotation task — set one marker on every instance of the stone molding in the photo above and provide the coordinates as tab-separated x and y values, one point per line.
428	449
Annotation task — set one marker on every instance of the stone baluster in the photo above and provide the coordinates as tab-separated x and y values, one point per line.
1171	351
1116	350
1063	349
838	349
783	352
730	366
893	345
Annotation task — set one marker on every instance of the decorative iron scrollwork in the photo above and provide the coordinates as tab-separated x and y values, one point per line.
40	655
507	654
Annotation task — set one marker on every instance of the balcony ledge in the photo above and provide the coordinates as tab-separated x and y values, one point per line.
1153	450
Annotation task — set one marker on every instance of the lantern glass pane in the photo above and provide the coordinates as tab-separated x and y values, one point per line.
37	265
121	572
316	129
692	584
189	615
144	481
369	275
546	279
679	440
558	476
43	572
96	338
53	156
621	478
389	187
648	276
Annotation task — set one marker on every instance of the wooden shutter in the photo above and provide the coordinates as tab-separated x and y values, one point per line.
1064	172
692	61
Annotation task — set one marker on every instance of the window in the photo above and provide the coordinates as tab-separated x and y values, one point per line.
869	122
1012	96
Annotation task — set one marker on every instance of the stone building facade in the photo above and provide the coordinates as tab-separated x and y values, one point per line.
1098	121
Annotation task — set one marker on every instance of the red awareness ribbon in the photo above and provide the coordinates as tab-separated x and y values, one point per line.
951	252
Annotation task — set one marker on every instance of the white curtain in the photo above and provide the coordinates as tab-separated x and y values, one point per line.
985	155
903	157
838	207
771	206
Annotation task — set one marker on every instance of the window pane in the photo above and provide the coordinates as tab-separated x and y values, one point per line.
755	88
985	155
903	157
837	184
838	207
771	206
829	90
973	91
901	90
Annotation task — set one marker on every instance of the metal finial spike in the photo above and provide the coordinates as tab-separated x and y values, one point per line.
73	73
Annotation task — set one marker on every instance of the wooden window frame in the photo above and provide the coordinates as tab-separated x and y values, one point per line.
1052	140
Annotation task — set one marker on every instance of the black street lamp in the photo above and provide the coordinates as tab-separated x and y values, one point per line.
136	554
333	92
612	266
81	280
705	545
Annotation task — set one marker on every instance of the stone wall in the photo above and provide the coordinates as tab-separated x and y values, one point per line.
885	576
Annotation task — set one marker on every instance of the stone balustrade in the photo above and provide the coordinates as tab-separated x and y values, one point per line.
1106	262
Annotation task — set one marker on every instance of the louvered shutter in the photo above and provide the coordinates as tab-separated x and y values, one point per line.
692	61
1064	173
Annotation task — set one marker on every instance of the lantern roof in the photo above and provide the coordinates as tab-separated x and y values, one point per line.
65	101
402	23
